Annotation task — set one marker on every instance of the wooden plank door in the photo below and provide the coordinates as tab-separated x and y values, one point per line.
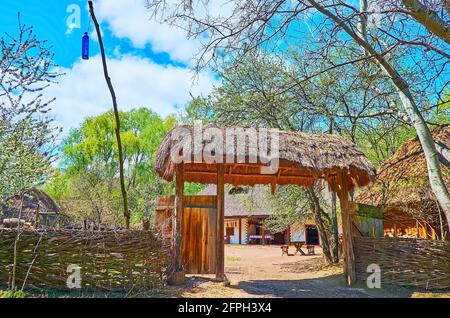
198	248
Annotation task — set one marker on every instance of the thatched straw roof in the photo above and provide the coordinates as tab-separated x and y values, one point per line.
303	158
402	181
34	200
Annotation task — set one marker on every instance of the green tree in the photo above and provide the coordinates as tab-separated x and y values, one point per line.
88	176
26	132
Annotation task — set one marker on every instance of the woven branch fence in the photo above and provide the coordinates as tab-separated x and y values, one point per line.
405	262
109	260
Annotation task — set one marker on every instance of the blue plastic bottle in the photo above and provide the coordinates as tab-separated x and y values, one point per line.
85	47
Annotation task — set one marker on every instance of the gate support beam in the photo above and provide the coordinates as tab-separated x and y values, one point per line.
240	230
349	256
179	205
220	248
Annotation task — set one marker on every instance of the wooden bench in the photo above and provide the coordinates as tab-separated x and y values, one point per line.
284	250
310	249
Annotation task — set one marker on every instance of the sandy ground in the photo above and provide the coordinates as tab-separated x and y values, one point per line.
261	271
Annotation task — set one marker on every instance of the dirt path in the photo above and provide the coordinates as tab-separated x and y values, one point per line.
261	271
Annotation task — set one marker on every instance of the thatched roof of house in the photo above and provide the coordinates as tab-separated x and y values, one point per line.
402	181
236	206
303	158
33	200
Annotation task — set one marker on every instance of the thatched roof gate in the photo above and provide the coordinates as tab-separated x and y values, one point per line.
241	156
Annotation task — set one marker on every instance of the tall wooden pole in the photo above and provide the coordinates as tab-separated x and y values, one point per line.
126	212
220	248
179	206
349	256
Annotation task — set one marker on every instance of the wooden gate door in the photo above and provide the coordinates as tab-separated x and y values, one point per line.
198	247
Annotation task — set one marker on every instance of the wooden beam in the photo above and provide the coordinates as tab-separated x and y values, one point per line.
349	256
179	190
240	230
246	174
263	234
220	248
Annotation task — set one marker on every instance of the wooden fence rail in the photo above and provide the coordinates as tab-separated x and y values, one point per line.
406	262
109	260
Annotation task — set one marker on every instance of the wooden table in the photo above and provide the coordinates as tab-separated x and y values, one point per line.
298	247
253	238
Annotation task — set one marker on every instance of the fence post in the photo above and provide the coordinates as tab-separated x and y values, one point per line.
178	276
220	248
349	256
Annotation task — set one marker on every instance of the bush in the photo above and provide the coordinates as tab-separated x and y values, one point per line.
12	294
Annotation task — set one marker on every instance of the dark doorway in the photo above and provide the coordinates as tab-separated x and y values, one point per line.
278	238
312	235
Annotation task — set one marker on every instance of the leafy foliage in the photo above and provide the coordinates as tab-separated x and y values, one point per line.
12	294
289	204
87	184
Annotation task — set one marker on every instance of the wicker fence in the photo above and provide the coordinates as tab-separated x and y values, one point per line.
406	262
110	260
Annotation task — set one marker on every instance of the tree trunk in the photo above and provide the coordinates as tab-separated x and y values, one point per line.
429	18
334	223
434	171
322	223
363	19
126	212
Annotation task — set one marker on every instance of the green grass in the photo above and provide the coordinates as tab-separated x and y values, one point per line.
12	294
233	258
56	293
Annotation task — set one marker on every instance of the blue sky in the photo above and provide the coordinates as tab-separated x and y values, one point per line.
149	62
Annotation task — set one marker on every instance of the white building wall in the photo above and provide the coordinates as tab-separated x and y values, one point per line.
234	239
244	230
297	232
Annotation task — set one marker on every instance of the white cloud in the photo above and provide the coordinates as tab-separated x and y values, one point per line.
130	19
138	82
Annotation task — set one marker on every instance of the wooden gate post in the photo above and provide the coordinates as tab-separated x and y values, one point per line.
220	248
240	230
178	275
349	256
